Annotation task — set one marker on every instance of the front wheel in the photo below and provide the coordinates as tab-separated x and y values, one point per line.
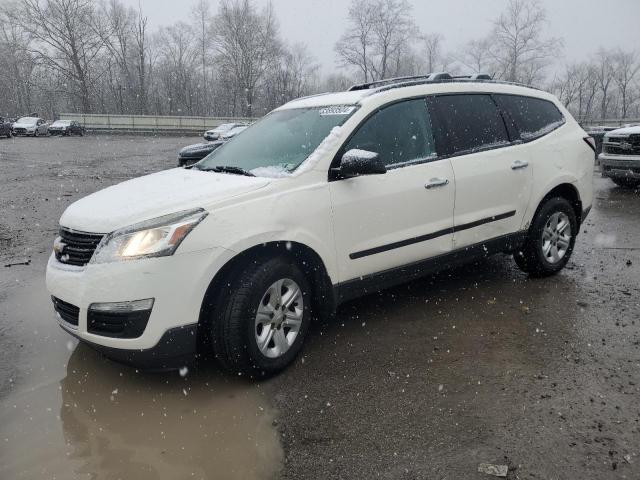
263	318
36	133
550	240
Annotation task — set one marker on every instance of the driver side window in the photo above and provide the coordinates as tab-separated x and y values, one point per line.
400	133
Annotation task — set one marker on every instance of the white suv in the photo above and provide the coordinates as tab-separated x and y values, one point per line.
326	198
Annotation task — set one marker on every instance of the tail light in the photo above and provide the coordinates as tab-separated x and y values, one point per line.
591	142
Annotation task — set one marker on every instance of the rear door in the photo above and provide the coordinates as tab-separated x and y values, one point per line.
405	215
492	172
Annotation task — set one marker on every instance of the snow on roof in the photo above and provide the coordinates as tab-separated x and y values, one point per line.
326	99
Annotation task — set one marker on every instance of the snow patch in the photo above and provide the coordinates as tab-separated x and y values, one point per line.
273	171
326	146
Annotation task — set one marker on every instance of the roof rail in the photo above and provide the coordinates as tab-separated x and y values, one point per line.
430	77
439	77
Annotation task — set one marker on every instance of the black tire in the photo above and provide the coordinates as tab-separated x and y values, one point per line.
233	322
531	257
626	182
36	133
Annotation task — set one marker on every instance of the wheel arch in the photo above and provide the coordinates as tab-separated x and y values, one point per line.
309	261
566	190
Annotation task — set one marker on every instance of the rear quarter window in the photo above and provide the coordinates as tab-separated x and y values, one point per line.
532	117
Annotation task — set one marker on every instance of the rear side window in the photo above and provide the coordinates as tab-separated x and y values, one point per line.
472	122
400	133
534	117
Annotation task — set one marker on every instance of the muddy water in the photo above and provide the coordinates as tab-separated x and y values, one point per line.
69	413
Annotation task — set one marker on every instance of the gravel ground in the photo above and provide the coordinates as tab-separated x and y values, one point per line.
424	381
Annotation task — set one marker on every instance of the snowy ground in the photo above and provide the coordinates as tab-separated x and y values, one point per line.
428	380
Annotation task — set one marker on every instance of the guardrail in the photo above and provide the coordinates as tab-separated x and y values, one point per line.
611	122
148	123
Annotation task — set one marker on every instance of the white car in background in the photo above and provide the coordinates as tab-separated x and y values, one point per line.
325	199
218	132
30	126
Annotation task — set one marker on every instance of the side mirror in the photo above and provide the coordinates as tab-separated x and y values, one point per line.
356	163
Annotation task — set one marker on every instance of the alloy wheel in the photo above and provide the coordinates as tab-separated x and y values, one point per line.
279	318
556	237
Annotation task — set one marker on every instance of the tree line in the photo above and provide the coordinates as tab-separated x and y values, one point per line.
102	57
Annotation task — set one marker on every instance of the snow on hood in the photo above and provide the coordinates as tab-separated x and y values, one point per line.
624	131
152	196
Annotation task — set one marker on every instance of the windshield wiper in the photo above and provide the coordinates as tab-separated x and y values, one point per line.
229	169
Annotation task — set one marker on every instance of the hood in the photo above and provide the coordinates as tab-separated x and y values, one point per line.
152	196
24	125
200	147
624	131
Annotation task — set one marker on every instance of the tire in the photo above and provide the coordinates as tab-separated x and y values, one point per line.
240	325
550	240
36	133
626	182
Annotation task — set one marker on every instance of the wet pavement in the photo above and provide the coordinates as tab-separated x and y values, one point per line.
424	381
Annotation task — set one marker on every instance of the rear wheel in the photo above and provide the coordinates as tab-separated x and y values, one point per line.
626	182
260	326
36	133
550	240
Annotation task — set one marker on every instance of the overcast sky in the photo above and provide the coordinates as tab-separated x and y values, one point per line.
585	25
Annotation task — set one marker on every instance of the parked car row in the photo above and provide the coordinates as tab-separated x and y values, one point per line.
35	127
194	153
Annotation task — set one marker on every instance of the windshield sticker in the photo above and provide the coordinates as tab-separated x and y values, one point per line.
337	110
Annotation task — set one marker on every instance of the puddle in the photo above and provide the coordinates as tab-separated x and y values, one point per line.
69	413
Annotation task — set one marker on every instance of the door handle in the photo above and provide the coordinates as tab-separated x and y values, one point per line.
519	165
436	182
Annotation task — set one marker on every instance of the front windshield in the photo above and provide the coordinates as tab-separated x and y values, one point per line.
27	120
281	140
61	123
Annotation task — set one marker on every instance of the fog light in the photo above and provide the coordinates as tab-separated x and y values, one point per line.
123	307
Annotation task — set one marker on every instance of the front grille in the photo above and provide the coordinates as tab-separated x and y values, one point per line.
69	313
76	248
629	145
20	130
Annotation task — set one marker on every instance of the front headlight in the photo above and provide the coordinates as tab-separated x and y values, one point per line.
159	237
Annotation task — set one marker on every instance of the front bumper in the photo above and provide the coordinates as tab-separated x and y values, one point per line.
177	283
620	166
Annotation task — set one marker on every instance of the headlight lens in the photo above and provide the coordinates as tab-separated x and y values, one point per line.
159	237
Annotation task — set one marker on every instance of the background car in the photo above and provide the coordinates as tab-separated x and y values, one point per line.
194	153
5	128
233	132
66	127
218	132
30	126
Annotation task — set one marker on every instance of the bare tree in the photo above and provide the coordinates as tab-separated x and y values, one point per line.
476	56
202	18
378	37
625	72
603	65
246	42
433	51
64	40
517	45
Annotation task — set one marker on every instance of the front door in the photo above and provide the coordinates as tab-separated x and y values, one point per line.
400	217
